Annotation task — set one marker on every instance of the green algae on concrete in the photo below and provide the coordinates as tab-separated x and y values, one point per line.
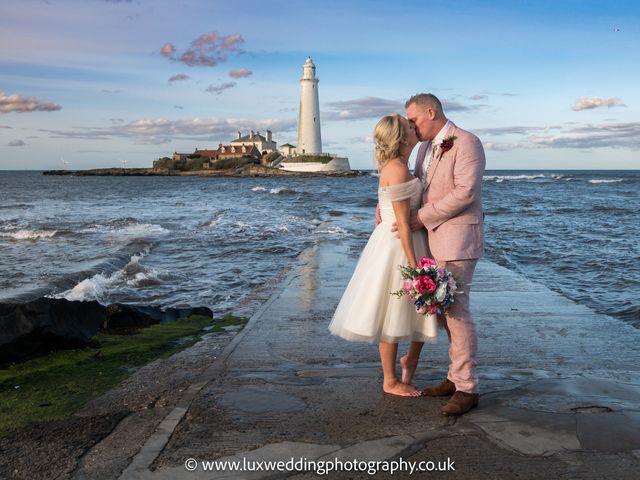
57	385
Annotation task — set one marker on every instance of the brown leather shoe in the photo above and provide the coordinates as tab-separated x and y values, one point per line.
444	388
459	403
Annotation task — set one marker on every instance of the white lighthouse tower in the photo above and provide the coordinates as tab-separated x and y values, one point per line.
309	139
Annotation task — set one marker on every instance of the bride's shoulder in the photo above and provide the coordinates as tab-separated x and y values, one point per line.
394	173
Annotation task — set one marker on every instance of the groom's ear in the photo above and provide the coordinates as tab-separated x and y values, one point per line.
431	113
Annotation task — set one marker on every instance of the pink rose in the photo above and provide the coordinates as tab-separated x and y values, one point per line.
425	284
426	262
407	286
432	308
422	310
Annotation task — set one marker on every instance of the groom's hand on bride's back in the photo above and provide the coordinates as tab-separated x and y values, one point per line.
414	222
378	217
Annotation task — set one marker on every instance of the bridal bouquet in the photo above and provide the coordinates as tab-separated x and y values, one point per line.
430	287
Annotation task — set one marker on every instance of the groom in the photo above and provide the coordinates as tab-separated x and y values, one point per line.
450	163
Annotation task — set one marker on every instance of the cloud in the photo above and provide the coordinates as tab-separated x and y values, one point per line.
5	126
361	108
611	135
479	97
588	103
16	143
375	107
209	49
167	50
104	90
240	73
179	107
606	135
178	77
453	106
512	130
20	104
503	147
361	139
158	131
218	89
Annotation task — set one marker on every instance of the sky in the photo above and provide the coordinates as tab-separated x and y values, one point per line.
102	83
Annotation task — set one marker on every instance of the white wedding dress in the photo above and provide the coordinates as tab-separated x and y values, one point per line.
367	311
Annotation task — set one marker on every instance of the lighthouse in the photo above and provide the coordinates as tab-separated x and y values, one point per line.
309	140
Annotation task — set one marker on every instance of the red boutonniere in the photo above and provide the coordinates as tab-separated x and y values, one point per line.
447	144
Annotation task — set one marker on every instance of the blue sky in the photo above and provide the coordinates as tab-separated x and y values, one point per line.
544	84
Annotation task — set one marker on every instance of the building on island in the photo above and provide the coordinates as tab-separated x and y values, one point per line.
212	155
180	157
287	149
262	143
233	151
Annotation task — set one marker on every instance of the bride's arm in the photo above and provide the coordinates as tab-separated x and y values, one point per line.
397	175
402	209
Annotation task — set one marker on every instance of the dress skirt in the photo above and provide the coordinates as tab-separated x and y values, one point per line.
367	311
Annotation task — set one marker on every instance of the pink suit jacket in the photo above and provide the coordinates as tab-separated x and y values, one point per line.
452	202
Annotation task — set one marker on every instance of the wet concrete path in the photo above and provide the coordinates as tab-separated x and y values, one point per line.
560	390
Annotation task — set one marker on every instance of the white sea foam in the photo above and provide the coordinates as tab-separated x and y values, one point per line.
610	180
214	222
28	234
88	289
98	287
280	190
502	178
129	230
275	191
333	230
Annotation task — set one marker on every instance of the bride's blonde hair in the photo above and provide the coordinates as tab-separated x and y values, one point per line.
387	138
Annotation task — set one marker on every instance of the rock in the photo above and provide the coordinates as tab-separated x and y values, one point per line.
121	316
171	314
46	324
126	317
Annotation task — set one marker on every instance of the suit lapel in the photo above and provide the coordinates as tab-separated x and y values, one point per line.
432	169
436	161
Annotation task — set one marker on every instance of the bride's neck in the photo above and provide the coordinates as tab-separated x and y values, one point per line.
404	154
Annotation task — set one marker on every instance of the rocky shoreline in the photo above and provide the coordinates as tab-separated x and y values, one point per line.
244	171
47	324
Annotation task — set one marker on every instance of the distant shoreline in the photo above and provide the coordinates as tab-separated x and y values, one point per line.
245	171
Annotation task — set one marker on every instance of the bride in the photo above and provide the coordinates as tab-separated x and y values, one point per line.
367	311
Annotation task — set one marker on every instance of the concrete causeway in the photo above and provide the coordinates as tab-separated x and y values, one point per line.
560	390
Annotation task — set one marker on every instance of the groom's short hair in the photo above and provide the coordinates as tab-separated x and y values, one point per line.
425	100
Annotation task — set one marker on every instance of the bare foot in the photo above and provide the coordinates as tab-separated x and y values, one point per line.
408	369
400	389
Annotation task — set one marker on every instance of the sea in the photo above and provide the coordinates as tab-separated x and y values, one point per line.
225	243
